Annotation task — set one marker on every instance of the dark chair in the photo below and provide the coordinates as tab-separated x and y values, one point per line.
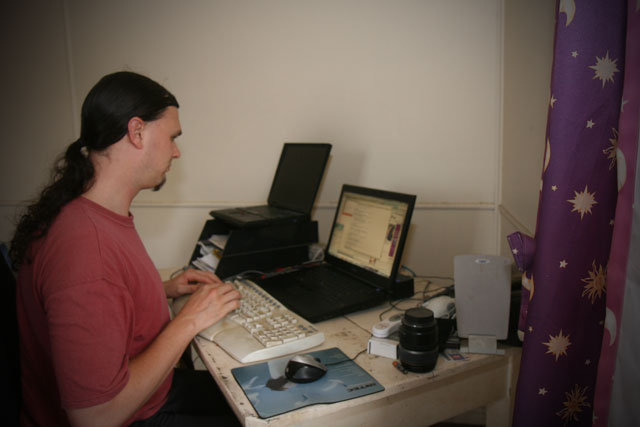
12	399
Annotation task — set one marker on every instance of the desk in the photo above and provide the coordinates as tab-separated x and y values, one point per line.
412	399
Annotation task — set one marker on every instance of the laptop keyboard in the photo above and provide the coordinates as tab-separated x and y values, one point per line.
330	284
326	295
272	212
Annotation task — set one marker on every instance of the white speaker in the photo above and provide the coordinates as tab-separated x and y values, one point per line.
482	294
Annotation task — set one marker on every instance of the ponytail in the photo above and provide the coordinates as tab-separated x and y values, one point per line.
76	170
71	177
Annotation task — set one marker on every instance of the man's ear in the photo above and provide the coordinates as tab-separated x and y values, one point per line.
134	131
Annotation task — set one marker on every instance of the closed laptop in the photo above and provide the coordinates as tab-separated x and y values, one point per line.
293	190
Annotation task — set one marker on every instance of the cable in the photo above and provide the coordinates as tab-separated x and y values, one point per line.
242	275
346	360
393	305
227	279
437	277
420	276
413	273
346	316
178	271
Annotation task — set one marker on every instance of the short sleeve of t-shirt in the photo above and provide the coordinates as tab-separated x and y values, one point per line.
95	348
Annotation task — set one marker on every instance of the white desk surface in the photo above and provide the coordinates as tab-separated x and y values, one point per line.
412	399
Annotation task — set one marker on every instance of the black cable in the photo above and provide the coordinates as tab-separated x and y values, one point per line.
436	277
414	297
392	306
242	275
346	360
420	276
366	330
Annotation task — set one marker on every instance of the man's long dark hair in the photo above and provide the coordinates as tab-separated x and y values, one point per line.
106	112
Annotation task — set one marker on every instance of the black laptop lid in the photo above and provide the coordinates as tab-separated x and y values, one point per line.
298	176
368	233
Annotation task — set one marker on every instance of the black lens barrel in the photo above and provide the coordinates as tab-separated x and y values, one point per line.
418	349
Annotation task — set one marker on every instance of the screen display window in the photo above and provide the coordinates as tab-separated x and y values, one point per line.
367	230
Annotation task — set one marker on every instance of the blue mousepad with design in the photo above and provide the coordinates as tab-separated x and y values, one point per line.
271	393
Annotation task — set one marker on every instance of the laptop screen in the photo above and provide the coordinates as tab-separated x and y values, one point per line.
298	176
369	229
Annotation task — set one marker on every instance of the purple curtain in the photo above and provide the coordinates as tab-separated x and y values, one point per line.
565	267
623	283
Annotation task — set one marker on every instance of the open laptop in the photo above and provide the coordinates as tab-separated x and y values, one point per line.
361	261
293	190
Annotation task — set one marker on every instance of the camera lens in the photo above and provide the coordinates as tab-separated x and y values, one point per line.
419	331
418	349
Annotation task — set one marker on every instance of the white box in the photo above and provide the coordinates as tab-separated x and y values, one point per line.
385	347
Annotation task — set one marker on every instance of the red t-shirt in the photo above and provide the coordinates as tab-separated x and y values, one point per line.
88	302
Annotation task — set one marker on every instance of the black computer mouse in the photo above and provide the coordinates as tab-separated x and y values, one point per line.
303	368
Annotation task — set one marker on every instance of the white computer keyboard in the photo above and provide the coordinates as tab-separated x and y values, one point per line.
260	329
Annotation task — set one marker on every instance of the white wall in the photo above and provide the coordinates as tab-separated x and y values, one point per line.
528	55
408	92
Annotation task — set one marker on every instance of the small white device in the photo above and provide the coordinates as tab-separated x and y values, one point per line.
387	327
443	307
385	347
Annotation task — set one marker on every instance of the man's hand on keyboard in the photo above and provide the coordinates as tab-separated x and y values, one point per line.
188	282
210	303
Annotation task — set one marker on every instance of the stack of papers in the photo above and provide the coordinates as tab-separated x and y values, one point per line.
219	240
211	252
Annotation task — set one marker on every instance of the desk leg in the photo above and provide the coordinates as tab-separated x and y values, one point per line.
500	412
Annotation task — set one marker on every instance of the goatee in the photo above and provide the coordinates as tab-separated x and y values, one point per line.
160	184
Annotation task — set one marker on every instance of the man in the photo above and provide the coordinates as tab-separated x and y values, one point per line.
97	345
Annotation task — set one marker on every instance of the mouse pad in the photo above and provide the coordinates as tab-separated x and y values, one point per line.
271	393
